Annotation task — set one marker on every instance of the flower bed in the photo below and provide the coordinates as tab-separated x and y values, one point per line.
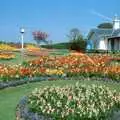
6	56
71	65
77	102
7	47
32	48
81	65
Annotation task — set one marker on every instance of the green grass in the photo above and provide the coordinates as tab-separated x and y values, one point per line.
57	46
10	97
60	52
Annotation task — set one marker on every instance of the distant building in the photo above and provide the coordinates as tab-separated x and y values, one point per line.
105	39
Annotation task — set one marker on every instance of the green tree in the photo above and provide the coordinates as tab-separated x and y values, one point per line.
77	42
106	25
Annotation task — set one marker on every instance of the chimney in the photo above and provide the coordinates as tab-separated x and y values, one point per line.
116	23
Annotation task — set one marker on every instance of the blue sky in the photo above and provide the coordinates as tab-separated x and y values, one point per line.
56	17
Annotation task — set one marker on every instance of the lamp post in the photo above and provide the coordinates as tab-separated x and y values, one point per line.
22	31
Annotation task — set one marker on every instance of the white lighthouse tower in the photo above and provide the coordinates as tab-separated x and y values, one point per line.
116	23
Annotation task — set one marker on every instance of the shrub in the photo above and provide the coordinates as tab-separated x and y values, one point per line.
77	102
77	41
78	45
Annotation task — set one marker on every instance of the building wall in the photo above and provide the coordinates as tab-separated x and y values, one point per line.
95	41
109	45
117	44
100	42
103	44
114	44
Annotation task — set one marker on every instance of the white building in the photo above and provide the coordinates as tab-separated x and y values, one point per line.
106	39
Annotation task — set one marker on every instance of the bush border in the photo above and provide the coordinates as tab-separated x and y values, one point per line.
15	83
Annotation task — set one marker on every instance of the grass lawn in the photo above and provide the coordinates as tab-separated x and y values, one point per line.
18	59
60	52
10	97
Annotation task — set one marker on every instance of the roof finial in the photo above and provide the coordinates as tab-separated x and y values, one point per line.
116	22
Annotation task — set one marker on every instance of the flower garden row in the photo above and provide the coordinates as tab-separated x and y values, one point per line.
6	56
77	102
70	65
6	50
7	47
